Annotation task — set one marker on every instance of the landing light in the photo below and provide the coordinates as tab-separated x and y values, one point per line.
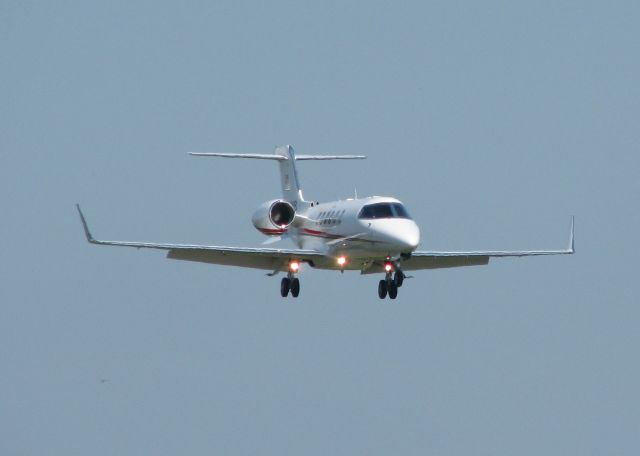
388	267
294	266
342	260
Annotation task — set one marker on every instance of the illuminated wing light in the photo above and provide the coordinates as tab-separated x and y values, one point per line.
294	266
342	261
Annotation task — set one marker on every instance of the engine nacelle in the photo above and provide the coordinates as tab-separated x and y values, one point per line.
273	217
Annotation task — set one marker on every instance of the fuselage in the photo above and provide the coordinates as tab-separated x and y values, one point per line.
356	228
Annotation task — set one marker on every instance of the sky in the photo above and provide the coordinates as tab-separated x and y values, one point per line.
494	122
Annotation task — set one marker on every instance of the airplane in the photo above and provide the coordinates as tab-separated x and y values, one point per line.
373	235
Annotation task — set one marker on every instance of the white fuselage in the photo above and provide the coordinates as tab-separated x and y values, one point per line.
340	228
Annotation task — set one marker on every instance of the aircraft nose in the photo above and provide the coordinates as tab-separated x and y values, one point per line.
409	237
403	234
399	235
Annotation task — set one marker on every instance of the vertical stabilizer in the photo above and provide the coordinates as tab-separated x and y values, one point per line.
291	190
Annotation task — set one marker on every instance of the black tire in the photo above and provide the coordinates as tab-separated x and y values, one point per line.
382	289
295	287
393	290
285	285
399	278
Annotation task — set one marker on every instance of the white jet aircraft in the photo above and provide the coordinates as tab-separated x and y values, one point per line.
372	235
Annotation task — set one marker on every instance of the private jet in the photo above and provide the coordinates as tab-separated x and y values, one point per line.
373	235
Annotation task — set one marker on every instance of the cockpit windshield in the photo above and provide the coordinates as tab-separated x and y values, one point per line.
383	210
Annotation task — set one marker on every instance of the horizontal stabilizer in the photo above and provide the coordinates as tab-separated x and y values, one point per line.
286	158
330	157
258	156
278	157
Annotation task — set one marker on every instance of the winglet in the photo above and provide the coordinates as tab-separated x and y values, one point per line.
571	248
87	233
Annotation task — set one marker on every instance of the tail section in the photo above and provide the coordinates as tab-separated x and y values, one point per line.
289	182
291	190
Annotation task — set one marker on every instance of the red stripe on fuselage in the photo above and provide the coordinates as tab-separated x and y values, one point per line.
325	235
321	233
272	231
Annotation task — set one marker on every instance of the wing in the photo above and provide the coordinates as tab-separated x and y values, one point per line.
436	260
247	257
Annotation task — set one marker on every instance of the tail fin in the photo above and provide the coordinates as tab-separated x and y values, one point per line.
289	182
286	157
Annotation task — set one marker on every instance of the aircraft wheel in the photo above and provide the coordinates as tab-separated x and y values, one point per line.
285	285
382	289
399	278
295	287
393	290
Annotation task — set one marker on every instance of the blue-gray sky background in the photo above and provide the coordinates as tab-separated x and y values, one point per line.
493	121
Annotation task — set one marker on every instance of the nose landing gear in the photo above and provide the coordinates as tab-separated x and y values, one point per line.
295	287
390	284
382	289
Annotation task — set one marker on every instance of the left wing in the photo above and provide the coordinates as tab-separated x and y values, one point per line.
436	260
248	257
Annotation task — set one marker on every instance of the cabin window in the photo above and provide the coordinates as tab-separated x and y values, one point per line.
400	211
383	210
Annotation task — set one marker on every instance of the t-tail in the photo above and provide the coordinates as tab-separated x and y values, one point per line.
286	157
291	190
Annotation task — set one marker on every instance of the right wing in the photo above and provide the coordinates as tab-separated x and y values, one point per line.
436	260
247	257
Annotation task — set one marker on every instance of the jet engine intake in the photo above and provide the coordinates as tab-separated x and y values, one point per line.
273	217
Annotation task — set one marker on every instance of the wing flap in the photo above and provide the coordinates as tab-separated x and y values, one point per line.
231	258
437	262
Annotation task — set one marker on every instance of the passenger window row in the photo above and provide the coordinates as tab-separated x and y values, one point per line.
327	218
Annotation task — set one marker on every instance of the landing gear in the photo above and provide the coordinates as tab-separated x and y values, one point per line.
393	290
382	289
295	287
285	286
398	277
390	284
290	284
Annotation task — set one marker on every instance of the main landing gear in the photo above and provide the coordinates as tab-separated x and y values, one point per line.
290	284
390	284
